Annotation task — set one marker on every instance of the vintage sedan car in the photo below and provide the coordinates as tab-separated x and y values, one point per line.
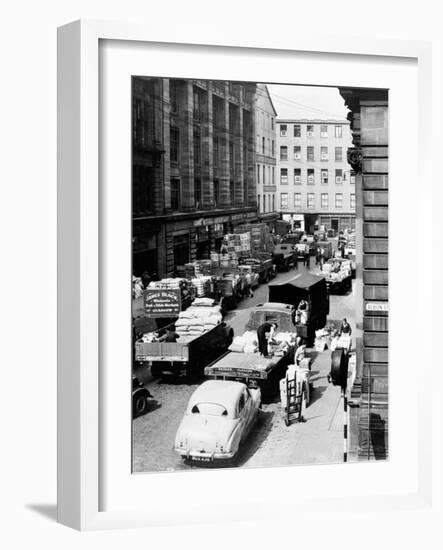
218	418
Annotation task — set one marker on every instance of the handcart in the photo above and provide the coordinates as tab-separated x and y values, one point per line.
295	399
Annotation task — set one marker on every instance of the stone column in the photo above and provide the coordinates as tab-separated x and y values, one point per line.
166	146
157	139
225	199
207	149
238	155
250	168
186	125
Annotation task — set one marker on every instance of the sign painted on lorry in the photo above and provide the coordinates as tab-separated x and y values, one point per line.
162	303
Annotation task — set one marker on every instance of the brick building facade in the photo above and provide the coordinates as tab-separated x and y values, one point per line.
194	168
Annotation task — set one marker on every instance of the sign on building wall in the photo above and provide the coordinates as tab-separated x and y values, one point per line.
377	306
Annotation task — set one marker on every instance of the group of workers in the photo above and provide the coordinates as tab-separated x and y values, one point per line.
266	332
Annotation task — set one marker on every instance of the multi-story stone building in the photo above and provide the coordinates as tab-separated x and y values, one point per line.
315	184
369	157
265	126
194	168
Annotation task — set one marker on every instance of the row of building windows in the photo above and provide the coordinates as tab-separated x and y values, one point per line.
340	176
265	120
266	203
265	174
310	201
265	146
310	130
310	153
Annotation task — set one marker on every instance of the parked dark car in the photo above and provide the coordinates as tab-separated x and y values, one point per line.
140	396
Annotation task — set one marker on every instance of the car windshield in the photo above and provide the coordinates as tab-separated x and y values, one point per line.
212	409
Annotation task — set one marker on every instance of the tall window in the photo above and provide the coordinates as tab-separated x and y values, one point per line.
352	201
283	176
339	200
273	176
310	130
283	153
310	153
173	96
323	153
297	152
324	177
264	174
197	192
263	145
311	176
324	200
258	173
272	122
258	202
297	130
197	148
142	119
273	147
338	175
323	131
216	152
297	201
217	192
338	132
273	203
311	201
283	130
196	105
283	200
297	176
338	153
174	144
175	194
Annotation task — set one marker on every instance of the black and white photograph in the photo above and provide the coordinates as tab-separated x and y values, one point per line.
259	274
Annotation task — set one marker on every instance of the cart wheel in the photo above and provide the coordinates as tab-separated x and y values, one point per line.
286	422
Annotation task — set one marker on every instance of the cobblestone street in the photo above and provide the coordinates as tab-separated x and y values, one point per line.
271	443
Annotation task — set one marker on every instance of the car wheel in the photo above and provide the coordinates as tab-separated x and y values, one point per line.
139	404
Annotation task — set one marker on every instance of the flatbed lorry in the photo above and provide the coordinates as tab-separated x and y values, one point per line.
284	256
251	367
188	355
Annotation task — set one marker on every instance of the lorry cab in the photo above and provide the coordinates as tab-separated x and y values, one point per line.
269	312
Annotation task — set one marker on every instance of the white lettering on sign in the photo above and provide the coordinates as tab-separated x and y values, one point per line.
377	306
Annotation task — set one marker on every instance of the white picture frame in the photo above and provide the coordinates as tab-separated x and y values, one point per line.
80	364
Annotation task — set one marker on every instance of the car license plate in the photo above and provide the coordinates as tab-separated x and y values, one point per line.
202	458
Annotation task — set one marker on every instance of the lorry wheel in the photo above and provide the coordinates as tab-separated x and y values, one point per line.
139	405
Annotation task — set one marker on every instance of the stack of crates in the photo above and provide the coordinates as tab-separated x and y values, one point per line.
260	237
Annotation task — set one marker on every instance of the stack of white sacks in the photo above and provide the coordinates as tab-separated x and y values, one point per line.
246	343
168	283
202	316
202	284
